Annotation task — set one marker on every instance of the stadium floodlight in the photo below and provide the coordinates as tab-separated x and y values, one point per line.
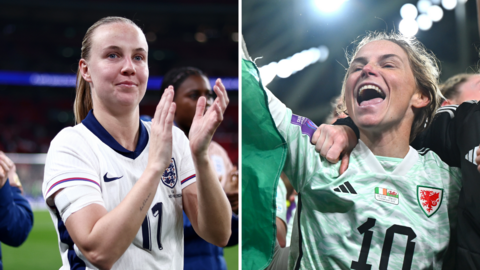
284	68
408	27
435	13
293	64
449	4
323	53
424	22
329	6
408	12
268	72
423	6
300	61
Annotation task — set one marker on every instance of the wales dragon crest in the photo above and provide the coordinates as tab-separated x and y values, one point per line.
429	199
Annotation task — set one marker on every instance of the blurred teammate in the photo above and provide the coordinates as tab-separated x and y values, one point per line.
116	186
190	84
394	207
460	88
16	216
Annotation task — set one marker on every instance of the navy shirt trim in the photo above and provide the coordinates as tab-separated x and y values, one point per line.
96	128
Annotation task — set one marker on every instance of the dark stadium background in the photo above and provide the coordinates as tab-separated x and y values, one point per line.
44	37
275	30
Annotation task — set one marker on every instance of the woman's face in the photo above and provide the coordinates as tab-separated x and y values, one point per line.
380	89
469	90
186	97
117	68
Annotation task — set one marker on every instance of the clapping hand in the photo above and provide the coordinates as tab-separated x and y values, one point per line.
204	125
160	152
6	167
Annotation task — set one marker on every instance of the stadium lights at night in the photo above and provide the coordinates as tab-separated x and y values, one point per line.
291	65
435	13
423	5
424	22
408	12
449	4
408	27
329	6
422	16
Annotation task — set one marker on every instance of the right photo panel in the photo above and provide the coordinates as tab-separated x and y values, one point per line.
360	134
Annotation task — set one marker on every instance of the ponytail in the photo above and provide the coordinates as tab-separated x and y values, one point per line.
83	99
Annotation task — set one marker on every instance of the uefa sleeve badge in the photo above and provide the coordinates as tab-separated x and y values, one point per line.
169	177
429	199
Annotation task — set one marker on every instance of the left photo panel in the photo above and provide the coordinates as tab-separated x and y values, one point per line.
119	135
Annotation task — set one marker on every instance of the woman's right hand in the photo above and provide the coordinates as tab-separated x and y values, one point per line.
160	152
6	166
335	142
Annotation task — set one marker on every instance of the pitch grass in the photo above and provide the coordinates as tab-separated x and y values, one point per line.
231	257
40	251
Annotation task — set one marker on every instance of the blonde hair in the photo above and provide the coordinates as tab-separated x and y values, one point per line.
425	70
450	87
83	96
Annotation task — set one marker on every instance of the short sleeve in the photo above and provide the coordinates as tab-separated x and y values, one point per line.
186	169
302	159
70	162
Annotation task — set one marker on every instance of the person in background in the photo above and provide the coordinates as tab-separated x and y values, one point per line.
16	216
190	84
460	88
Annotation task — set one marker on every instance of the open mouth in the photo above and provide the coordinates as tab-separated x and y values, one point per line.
370	94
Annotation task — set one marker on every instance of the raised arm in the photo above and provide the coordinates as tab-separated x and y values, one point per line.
204	201
103	236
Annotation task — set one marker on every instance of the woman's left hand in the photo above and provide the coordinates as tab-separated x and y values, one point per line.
204	125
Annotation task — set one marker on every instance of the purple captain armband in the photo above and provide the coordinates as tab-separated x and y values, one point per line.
307	126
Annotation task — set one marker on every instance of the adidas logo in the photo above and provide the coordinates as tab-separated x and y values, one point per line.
471	155
345	188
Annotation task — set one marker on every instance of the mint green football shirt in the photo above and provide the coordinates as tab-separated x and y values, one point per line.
382	213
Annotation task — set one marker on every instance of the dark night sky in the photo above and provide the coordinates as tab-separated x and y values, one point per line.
277	29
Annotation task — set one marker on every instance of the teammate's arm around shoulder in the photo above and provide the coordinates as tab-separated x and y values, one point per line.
204	201
104	236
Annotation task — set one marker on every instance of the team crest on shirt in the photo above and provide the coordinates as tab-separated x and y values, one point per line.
429	199
169	177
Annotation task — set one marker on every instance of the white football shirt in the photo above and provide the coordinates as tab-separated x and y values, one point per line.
87	154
